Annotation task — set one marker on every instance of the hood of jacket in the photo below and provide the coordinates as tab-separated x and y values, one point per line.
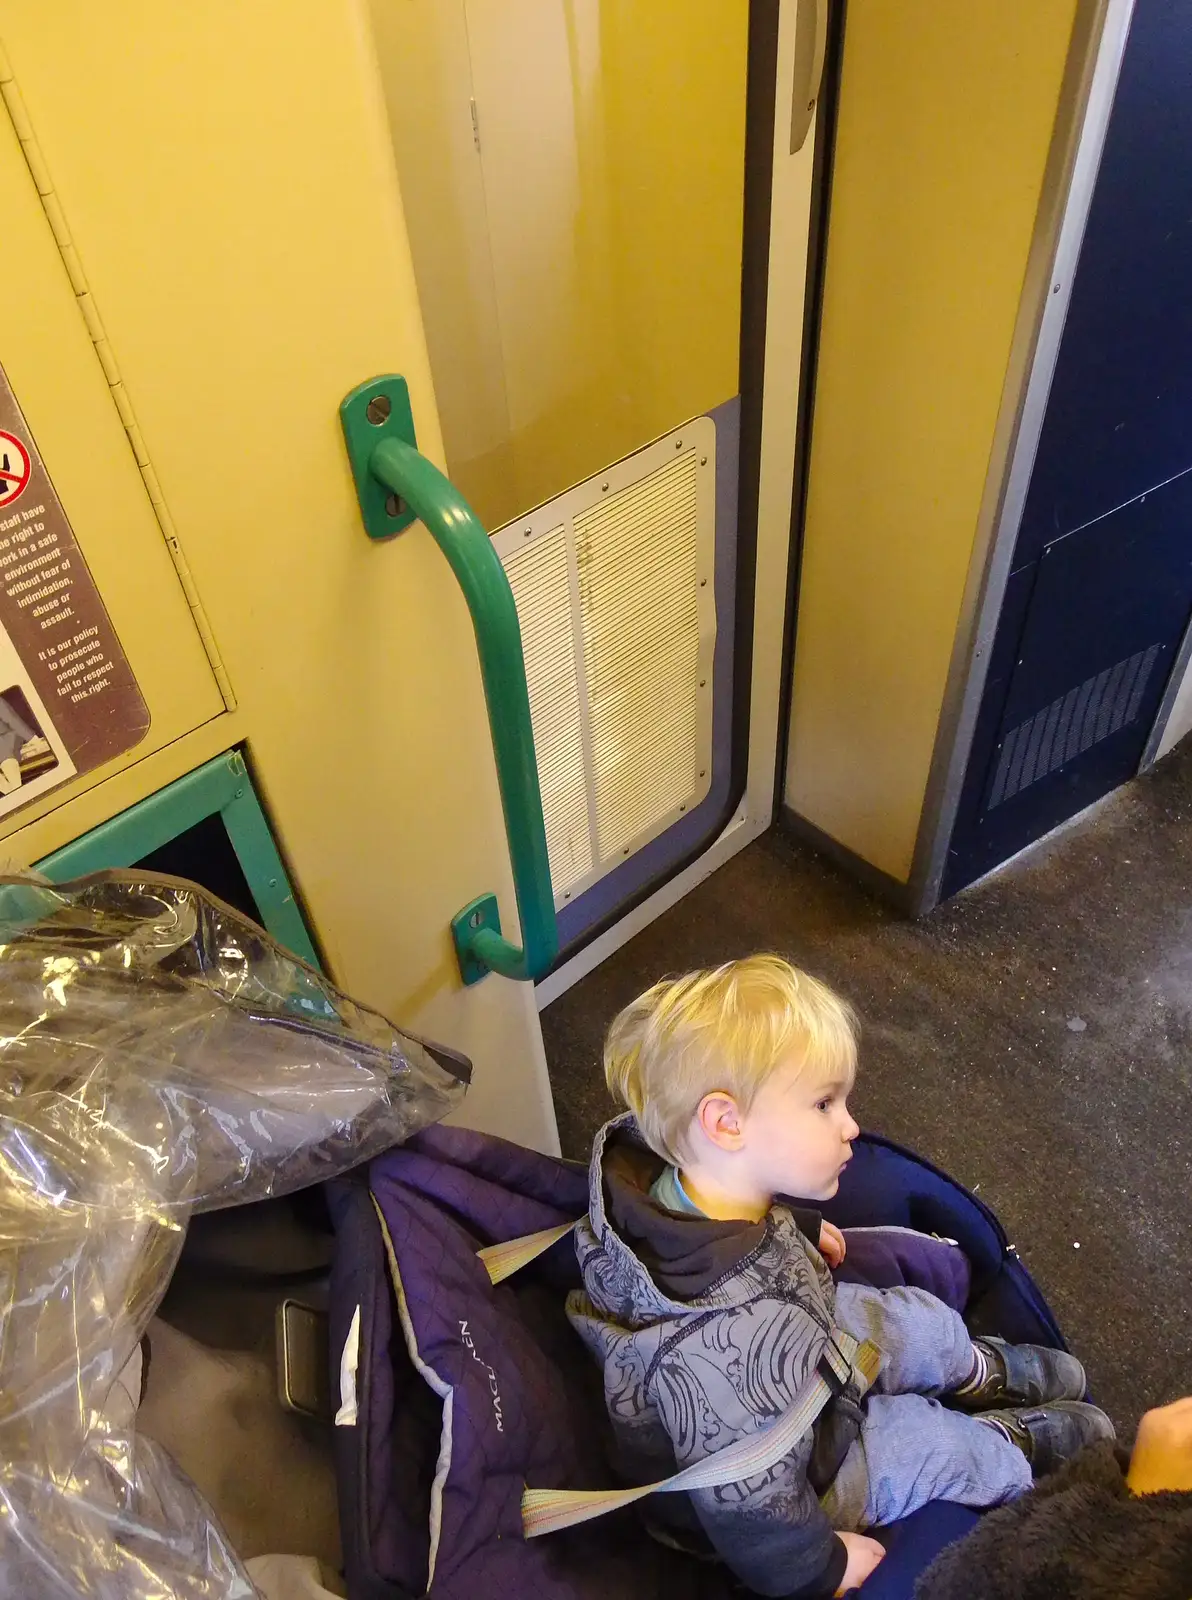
654	1263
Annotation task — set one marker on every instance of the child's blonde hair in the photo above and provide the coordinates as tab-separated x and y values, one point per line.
724	1028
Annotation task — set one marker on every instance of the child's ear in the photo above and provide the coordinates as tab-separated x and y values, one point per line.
719	1120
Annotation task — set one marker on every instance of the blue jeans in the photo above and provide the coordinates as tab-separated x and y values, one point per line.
912	1449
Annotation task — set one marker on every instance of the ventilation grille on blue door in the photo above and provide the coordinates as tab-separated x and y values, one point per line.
1071	725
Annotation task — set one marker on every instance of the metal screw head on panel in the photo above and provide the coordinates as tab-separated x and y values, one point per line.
678	444
378	409
703	461
395	506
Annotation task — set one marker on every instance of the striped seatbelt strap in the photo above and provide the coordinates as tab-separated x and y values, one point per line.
503	1260
548	1510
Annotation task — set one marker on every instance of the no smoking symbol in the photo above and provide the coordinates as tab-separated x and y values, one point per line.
14	469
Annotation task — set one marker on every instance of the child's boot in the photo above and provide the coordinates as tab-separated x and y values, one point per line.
1049	1435
1018	1375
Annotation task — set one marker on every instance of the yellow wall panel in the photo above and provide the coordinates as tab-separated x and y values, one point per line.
228	176
674	86
945	119
579	259
51	363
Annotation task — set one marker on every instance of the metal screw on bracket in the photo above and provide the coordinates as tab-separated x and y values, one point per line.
395	506
378	409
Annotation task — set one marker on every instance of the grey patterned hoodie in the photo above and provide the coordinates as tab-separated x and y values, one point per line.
706	1331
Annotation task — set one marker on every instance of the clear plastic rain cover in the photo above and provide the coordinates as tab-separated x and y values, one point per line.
159	1055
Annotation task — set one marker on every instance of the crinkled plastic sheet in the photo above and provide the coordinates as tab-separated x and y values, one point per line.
159	1054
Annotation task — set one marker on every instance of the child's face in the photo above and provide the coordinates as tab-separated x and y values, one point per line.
798	1134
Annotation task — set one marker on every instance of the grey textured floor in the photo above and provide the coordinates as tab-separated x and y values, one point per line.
1032	1036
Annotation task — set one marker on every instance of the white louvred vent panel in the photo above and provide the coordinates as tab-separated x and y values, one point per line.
615	594
540	580
640	629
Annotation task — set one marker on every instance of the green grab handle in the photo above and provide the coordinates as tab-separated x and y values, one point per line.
426	494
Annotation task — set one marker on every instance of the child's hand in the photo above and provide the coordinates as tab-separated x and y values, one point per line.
831	1244
864	1554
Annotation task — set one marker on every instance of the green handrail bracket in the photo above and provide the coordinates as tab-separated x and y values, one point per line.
396	485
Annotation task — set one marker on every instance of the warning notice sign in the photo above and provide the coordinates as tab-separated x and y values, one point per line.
68	698
15	468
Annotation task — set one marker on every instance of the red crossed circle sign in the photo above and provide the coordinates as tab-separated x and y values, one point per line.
14	469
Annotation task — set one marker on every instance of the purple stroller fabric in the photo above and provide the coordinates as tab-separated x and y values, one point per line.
888	1257
467	1392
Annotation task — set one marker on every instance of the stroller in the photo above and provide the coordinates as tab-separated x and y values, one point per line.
465	1384
165	1059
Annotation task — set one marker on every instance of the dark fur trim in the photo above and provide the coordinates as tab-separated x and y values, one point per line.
1080	1535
